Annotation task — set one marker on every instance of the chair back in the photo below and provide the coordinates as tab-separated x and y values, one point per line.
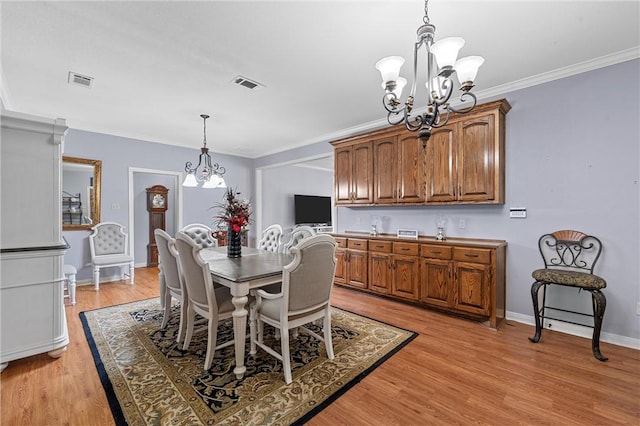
168	256
201	234
107	238
307	281
570	250
271	238
195	272
298	234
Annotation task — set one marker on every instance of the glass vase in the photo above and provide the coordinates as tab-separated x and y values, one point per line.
234	243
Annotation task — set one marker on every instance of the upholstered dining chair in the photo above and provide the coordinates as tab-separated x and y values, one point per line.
213	304
201	234
569	259
174	285
109	247
305	297
271	238
298	234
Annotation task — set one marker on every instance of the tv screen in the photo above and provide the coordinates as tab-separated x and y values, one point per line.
312	210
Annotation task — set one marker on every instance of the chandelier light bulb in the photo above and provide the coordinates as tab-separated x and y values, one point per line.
190	180
389	68
446	51
467	69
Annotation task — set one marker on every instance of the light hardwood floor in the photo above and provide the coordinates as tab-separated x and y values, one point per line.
455	372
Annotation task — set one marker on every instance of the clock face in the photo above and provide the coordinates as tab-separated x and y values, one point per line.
159	200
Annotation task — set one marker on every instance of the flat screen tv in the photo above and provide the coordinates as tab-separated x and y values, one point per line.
312	210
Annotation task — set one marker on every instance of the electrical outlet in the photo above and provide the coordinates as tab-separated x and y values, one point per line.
115	206
462	224
638	309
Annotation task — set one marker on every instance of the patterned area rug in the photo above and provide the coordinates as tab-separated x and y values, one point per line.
150	380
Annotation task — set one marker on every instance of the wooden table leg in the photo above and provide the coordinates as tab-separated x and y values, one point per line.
239	332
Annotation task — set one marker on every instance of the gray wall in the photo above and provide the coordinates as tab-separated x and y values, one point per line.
118	154
280	184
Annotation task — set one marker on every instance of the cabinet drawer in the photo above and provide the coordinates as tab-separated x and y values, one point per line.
435	251
476	255
410	249
380	246
357	244
341	242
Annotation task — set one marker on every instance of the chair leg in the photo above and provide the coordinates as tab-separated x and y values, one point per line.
252	328
191	316
536	310
96	278
72	288
286	356
326	327
183	320
211	342
167	309
599	305
131	272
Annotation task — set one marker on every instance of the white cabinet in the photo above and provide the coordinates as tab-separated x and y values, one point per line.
32	317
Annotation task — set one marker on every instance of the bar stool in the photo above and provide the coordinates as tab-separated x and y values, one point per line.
70	272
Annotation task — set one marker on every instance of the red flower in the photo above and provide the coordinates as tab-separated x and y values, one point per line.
234	213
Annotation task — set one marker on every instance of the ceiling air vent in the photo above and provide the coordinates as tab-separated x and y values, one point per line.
245	82
80	80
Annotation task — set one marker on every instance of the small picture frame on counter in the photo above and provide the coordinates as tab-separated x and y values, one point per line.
408	233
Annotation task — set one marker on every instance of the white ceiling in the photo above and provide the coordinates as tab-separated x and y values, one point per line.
159	65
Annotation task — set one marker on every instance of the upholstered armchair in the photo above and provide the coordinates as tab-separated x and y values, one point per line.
201	235
271	238
298	234
305	297
109	247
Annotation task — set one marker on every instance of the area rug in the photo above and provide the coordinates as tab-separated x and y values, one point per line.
150	380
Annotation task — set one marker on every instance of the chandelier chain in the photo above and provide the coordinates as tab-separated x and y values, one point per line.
425	19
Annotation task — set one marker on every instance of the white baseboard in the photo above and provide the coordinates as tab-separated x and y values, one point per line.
577	330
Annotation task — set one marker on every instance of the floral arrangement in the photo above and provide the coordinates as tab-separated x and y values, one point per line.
234	212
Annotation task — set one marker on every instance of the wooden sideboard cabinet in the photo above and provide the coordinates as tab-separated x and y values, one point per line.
461	276
352	262
462	163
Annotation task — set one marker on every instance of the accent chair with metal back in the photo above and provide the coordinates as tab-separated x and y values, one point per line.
109	246
569	259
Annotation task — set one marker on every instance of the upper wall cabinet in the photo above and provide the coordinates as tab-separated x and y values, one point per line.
462	162
353	174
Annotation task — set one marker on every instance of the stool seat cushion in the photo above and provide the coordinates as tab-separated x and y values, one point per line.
569	278
69	269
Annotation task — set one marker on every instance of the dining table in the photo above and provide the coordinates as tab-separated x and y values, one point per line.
255	268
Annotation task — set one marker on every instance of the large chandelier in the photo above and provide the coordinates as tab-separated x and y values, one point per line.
441	64
210	175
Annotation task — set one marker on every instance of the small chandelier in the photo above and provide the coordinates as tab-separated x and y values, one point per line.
210	175
441	64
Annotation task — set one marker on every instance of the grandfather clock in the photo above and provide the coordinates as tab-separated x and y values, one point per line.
157	207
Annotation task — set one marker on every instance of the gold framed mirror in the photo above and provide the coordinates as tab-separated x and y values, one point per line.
80	193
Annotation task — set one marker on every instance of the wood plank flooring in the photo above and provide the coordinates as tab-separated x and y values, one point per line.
455	372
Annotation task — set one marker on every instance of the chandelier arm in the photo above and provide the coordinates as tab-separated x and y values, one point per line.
439	123
393	123
468	108
390	103
418	122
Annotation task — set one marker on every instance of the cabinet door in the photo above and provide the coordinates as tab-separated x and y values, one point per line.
476	159
406	277
343	159
341	266
385	189
441	166
380	276
436	288
411	169
357	268
362	174
472	288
